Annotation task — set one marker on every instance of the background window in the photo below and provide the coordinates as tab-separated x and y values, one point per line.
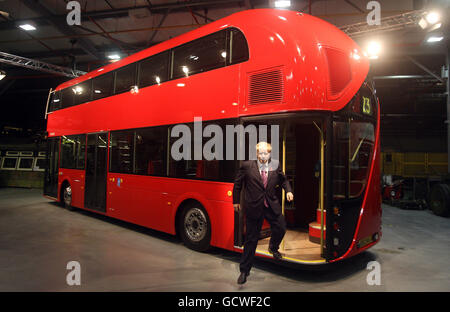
153	70
239	47
200	55
122	151
39	164
103	86
9	163
25	163
151	152
125	78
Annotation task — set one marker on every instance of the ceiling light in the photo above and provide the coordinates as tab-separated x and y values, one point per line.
2	74
282	4
114	57
432	17
373	49
435	39
27	27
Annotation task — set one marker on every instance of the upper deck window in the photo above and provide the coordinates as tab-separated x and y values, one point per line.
102	86
67	97
55	101
154	70
238	47
225	47
200	55
125	78
82	92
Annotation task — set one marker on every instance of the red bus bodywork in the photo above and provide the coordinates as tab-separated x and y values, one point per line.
312	55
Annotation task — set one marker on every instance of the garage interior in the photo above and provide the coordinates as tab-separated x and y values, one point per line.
409	68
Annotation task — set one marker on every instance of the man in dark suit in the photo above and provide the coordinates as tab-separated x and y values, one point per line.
259	179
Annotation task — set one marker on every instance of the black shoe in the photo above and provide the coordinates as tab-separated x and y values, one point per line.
242	278
276	254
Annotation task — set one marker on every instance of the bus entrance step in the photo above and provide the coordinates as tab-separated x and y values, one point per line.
314	232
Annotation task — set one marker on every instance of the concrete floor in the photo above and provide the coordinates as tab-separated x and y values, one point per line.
38	238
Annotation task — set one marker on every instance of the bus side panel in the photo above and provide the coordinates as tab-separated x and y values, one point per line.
216	199
135	199
153	202
76	181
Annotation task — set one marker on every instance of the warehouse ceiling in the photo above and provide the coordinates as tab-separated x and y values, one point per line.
128	26
407	73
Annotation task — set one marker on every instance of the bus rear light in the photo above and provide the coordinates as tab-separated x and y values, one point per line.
336	211
336	241
336	226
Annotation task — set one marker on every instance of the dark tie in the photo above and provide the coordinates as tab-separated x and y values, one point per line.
264	179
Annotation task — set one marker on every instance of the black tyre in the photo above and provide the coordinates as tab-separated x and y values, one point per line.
195	227
439	201
67	197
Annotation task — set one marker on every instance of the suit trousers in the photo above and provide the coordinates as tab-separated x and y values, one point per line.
253	228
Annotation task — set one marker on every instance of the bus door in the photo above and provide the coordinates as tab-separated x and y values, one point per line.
52	168
96	166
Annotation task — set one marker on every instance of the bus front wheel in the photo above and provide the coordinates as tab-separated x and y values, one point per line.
195	227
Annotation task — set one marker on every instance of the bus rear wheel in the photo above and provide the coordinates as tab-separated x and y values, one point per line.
440	200
195	227
67	197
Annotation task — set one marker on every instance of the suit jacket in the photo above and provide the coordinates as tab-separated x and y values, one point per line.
249	179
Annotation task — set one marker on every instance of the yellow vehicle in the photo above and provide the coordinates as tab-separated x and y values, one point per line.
423	177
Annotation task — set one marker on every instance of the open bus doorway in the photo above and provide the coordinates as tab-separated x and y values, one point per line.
301	154
301	148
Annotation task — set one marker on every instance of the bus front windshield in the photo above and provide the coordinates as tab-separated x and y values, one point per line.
354	141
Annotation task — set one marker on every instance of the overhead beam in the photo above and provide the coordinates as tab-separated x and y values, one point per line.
424	68
38	65
354	6
119	12
62	26
159	25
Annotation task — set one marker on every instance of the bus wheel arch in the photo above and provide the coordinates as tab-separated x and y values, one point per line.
193	225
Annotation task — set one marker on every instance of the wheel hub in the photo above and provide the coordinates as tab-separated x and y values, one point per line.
195	224
68	195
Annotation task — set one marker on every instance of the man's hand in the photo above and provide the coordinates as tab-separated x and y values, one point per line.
290	196
237	207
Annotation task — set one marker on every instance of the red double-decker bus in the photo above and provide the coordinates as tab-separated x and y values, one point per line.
110	134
